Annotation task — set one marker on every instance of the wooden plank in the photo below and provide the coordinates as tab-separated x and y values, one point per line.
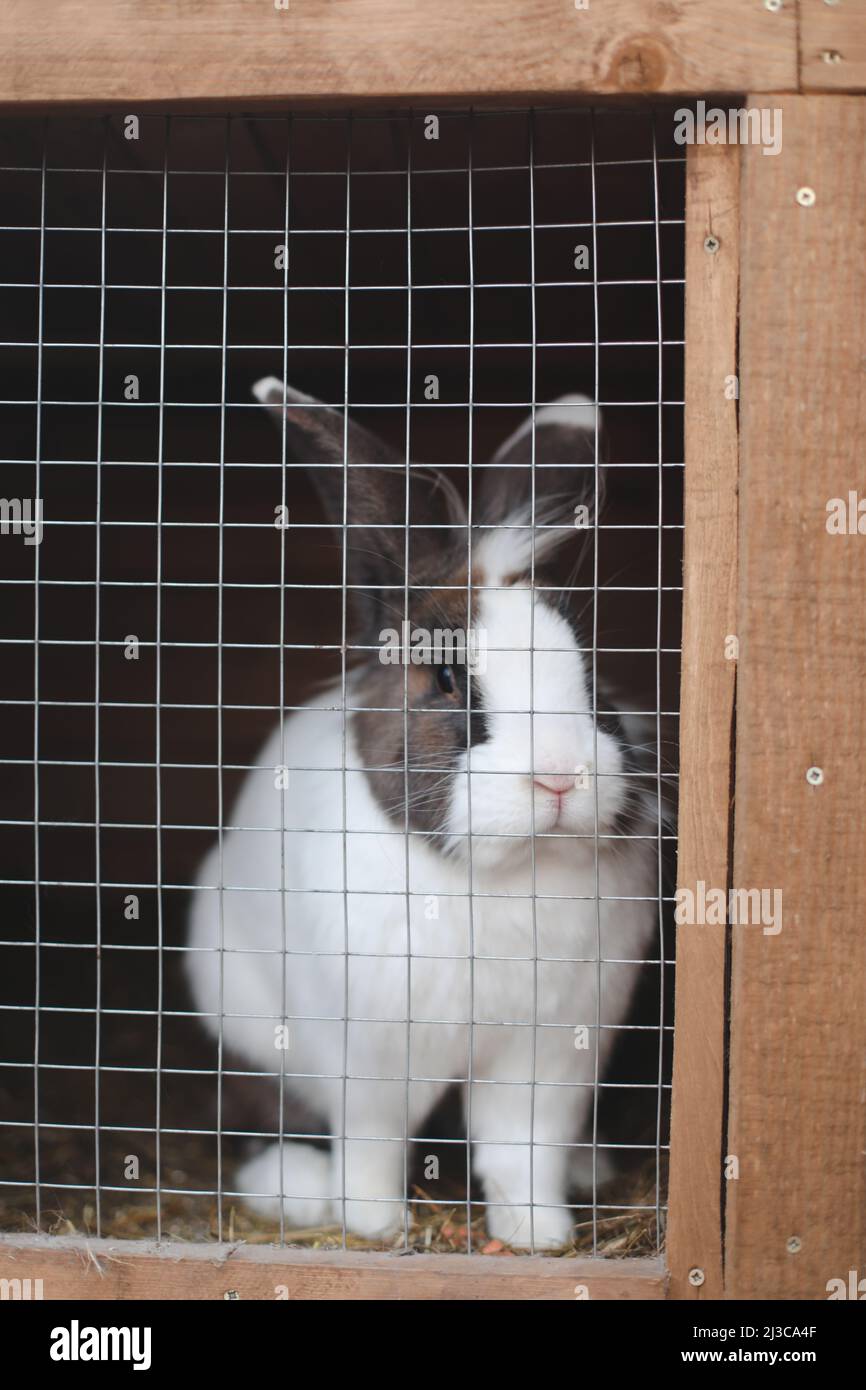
171	50
71	1267
707	711
798	1025
833	46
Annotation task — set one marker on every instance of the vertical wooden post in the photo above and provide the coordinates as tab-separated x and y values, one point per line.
796	1215
708	680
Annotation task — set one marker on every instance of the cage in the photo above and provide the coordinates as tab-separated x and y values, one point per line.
459	279
443	284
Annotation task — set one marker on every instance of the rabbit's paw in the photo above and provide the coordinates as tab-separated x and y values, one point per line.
306	1182
549	1229
373	1220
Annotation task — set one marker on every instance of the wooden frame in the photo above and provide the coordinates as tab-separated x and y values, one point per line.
797	1215
770	1050
111	1270
179	51
707	713
158	50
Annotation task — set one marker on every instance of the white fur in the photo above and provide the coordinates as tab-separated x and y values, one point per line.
502	959
269	390
575	412
531	534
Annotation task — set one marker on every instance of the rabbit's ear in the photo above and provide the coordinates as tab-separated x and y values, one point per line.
370	495
316	434
568	480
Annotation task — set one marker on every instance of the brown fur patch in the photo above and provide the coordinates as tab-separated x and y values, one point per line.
417	730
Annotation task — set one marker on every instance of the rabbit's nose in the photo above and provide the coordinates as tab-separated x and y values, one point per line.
554	782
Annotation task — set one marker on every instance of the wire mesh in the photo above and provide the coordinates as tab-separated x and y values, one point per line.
167	626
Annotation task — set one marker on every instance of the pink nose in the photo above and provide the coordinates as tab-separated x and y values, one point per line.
554	782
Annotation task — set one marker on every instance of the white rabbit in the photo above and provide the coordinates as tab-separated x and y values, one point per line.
378	925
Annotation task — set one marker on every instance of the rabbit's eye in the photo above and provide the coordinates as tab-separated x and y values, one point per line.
445	679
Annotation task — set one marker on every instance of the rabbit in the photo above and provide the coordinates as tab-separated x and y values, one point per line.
380	925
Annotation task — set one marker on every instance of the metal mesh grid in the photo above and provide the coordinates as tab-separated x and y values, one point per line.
155	257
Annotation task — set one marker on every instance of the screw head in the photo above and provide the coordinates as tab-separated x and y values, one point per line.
806	197
793	1245
831	55
696	1277
773	5
712	244
231	1294
814	776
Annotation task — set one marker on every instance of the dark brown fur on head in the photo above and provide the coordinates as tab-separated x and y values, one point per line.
415	720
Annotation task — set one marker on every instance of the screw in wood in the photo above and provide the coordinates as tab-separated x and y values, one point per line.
806	197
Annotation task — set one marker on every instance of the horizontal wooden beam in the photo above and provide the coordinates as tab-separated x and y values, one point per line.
76	1268
172	51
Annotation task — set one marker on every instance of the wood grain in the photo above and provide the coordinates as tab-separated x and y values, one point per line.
798	1025
707	709
104	1269
832	46
177	50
